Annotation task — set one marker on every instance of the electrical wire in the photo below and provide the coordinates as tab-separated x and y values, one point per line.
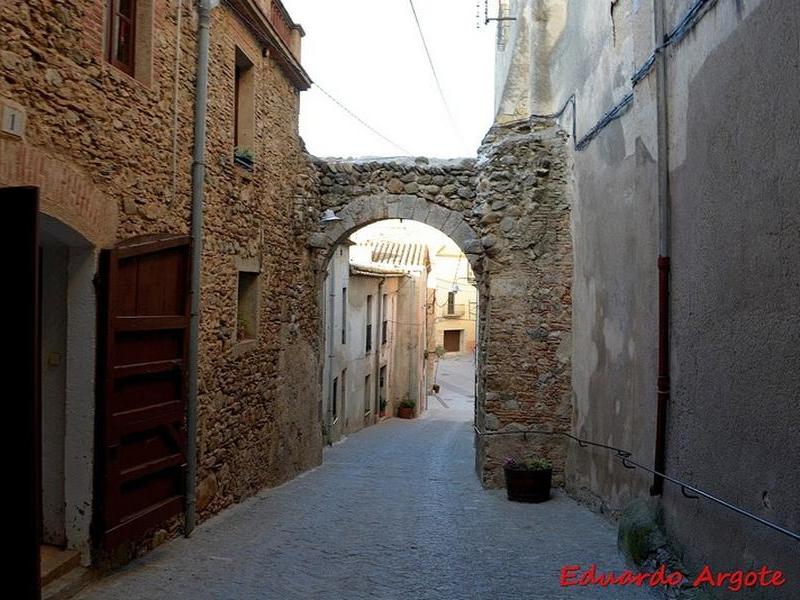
692	16
435	75
360	120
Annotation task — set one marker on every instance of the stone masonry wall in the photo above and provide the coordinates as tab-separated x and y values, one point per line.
99	145
508	210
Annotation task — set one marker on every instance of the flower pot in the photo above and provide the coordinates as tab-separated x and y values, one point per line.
243	161
526	485
405	412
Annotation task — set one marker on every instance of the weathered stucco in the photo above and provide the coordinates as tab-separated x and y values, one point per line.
733	114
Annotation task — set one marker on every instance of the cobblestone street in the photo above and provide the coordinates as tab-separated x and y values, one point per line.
395	511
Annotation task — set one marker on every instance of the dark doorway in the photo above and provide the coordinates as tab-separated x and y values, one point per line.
22	244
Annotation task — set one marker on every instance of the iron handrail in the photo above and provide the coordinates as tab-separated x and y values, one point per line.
629	463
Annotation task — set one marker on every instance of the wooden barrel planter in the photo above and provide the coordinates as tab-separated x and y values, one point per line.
528	485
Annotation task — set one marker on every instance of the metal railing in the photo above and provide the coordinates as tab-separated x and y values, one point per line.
688	490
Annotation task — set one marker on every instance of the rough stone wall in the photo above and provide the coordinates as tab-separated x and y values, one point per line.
259	421
508	210
99	143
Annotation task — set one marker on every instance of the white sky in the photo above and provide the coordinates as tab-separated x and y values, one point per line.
368	55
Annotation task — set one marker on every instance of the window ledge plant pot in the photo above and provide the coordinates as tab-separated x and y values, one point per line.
528	485
243	161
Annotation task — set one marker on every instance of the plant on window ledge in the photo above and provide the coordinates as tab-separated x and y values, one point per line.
241	331
243	157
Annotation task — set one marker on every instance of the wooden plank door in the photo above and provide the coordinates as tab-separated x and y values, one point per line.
144	324
452	340
22	406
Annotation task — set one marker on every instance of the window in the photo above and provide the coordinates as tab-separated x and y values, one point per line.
344	315
122	35
243	110
247	307
382	389
129	37
343	392
451	303
369	324
334	407
385	324
367	395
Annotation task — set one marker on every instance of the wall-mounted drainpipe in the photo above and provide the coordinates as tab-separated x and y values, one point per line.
331	320
662	124
198	190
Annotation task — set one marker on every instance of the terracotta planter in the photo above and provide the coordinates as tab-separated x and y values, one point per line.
405	412
525	485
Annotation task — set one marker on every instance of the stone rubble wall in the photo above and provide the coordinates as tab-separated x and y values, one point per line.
98	144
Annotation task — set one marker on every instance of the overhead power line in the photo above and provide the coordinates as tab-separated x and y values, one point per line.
360	120
435	76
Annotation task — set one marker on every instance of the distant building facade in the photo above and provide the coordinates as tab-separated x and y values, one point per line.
455	304
375	336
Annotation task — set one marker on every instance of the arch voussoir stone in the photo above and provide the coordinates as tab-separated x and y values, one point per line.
508	212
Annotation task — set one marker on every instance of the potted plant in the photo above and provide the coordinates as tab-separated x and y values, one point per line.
406	409
243	157
528	480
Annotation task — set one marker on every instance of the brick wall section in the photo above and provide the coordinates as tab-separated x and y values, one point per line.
99	143
509	212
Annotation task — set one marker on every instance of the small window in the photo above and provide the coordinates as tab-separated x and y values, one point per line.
367	395
247	310
451	303
129	37
344	315
334	399
343	391
122	35
243	110
369	324
385	324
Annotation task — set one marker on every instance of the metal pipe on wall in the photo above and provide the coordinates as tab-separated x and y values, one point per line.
198	191
662	126
331	343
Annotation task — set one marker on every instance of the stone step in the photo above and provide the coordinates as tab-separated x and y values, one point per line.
68	586
56	563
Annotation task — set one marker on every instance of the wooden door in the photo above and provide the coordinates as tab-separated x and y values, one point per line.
452	340
144	327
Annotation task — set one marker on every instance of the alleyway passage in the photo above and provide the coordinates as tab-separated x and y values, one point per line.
395	511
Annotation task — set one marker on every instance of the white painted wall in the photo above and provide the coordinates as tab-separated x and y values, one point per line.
68	386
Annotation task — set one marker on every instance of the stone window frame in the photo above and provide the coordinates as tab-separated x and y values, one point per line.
140	67
244	106
248	301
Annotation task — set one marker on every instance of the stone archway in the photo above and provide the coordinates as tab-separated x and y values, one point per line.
508	210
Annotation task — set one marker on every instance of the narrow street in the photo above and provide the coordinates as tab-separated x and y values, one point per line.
395	511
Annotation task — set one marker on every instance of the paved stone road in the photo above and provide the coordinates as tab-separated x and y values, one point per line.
395	512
